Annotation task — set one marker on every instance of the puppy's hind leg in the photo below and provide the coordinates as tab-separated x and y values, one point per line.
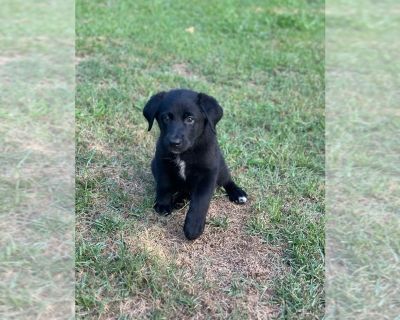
235	193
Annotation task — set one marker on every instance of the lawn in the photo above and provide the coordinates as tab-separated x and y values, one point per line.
362	139
265	63
36	159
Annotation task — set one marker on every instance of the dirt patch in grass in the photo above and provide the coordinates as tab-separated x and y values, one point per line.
224	267
11	58
183	70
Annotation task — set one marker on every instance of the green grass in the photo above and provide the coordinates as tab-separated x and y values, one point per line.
264	63
36	160
219	222
363	124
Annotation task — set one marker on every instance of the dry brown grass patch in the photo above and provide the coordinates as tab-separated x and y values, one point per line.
183	70
219	257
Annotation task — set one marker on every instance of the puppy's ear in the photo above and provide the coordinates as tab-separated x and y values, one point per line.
151	108
212	110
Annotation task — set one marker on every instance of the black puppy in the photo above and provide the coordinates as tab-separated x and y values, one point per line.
188	163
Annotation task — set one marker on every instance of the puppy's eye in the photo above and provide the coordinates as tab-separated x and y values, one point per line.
189	120
165	118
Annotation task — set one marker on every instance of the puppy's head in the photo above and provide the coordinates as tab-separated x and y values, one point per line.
183	116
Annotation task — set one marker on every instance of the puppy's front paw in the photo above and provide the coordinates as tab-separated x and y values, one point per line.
237	195
163	209
193	230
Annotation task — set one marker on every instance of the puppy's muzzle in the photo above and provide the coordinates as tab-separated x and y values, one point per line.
175	145
175	142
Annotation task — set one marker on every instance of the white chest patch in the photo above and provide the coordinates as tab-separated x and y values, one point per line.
181	166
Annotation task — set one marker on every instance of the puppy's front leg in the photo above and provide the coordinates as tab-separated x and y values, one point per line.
202	192
163	203
164	190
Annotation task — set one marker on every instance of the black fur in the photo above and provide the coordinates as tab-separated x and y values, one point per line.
187	122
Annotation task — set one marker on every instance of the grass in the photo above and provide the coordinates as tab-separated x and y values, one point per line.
363	123
36	162
264	63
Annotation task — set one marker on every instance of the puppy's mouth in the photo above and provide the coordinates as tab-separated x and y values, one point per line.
176	150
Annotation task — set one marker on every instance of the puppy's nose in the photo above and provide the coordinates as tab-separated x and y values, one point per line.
175	142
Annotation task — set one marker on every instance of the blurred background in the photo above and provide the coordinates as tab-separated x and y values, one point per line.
37	99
